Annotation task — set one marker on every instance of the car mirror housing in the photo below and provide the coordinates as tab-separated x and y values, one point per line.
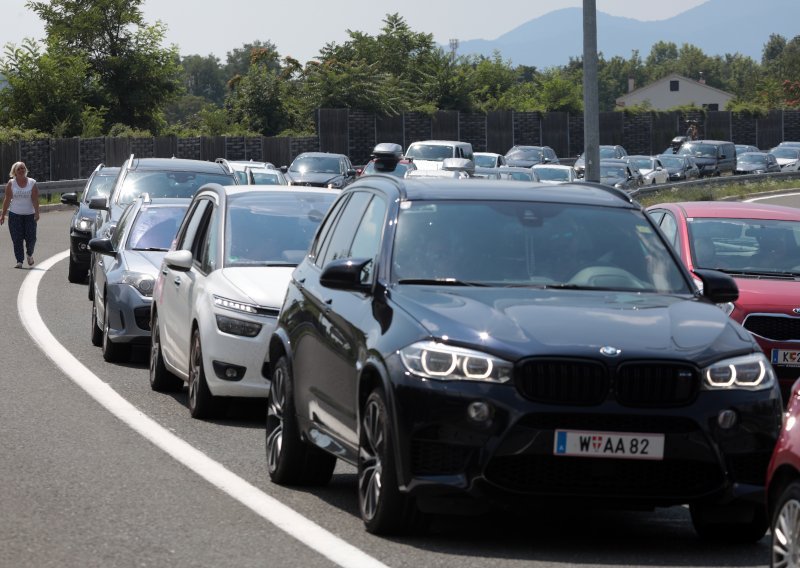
69	199
179	260
718	286
345	274
100	202
102	246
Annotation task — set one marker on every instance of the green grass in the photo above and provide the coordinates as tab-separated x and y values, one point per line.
732	190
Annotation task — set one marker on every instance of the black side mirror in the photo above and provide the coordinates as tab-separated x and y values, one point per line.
102	246
718	286
100	202
284	169
69	198
345	274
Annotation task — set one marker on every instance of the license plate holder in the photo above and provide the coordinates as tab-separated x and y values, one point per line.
615	445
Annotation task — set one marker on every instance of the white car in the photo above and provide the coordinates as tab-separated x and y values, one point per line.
788	158
220	289
651	168
488	160
430	154
553	173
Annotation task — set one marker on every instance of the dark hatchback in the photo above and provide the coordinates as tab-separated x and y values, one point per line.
498	344
81	226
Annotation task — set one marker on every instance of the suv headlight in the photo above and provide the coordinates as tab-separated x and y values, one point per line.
749	372
448	363
83	224
143	283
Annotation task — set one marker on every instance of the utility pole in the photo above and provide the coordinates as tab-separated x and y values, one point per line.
591	105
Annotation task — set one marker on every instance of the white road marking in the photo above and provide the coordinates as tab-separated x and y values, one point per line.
283	517
770	197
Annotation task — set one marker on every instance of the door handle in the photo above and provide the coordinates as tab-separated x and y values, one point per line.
328	301
177	281
164	272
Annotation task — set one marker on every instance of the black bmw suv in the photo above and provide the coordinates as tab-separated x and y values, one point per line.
489	342
81	227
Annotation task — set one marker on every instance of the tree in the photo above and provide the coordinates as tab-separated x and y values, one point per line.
204	77
135	76
46	91
238	60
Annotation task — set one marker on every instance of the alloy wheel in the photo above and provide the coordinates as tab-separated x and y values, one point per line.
371	471
786	535
275	406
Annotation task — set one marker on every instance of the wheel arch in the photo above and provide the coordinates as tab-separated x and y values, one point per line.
373	375
279	346
783	476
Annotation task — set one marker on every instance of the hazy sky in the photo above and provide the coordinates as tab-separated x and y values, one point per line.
301	27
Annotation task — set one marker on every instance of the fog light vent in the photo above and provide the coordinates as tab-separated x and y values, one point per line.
228	371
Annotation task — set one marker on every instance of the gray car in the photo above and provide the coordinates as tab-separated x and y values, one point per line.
125	272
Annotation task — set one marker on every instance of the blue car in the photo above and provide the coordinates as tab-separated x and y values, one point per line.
125	272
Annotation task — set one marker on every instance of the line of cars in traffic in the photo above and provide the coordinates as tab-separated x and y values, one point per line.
469	345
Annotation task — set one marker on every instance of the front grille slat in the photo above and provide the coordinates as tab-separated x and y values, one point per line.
582	382
774	327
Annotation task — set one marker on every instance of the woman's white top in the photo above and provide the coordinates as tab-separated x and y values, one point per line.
21	202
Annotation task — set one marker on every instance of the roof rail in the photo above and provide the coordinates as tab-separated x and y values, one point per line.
130	162
624	195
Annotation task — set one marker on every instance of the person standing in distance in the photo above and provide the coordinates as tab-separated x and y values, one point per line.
21	202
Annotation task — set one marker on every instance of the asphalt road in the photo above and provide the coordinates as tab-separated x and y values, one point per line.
80	487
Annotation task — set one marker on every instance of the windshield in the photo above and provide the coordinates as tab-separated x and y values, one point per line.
166	184
643	163
516	175
671	162
786	153
268	178
319	164
485	161
750	158
506	243
746	245
532	154
613	171
432	152
155	227
606	152
101	186
553	174
699	150
266	227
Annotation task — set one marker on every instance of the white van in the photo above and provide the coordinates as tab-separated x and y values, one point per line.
429	154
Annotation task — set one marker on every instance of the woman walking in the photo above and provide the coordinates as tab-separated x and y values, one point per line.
22	205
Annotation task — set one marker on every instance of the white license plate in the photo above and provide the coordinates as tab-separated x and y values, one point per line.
627	446
786	357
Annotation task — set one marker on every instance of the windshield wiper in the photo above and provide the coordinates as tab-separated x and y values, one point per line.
441	282
773	273
151	249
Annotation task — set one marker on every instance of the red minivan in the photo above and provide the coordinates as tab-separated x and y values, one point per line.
759	245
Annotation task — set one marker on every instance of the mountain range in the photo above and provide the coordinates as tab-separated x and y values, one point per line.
717	27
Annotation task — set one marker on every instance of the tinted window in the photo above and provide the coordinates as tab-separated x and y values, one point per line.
321	239
343	233
324	164
166	184
670	228
155	227
532	244
368	236
272	227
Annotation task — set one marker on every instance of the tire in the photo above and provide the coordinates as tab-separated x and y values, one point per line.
161	380
202	404
112	352
97	333
710	522
384	509
77	274
785	526
290	461
90	292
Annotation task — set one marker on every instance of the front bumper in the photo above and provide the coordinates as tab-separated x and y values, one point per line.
247	356
79	247
510	458
128	314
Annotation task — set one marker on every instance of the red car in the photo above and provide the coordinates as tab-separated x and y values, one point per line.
759	245
783	488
